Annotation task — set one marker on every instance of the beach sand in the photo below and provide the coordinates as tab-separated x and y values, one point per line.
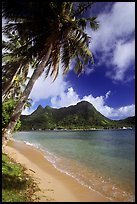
54	185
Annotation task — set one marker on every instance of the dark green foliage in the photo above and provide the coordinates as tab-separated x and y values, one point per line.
37	24
7	109
48	33
17	186
80	116
130	121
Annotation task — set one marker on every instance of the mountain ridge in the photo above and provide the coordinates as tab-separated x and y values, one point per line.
83	115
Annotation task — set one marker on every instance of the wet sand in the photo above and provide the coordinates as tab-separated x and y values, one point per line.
54	185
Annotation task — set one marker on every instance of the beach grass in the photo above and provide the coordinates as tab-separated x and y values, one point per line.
17	186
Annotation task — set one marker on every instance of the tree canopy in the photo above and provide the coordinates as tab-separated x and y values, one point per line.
51	33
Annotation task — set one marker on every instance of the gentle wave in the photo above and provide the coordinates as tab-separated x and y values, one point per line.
110	190
35	145
94	179
53	159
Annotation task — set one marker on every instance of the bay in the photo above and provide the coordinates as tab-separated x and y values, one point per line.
102	160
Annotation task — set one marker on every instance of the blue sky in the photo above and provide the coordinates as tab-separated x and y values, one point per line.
109	84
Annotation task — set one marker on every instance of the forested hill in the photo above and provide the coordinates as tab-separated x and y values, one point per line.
80	116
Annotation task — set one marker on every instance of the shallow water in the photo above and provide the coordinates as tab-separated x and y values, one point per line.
101	160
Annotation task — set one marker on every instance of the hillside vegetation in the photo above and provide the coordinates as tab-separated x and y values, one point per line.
80	116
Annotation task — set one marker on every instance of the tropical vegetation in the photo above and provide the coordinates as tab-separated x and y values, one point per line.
17	186
49	33
7	109
82	116
15	67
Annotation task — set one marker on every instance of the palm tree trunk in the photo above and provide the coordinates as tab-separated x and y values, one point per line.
7	132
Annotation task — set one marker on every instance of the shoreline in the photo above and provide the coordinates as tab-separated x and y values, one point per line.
74	130
55	186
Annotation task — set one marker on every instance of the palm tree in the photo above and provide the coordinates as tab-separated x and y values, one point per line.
15	65
55	33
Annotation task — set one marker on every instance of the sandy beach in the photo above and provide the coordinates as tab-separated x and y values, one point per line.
54	185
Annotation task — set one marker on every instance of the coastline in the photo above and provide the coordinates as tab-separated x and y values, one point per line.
55	186
75	130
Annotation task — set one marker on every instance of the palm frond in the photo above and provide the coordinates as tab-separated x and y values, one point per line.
55	60
94	24
82	8
66	55
82	22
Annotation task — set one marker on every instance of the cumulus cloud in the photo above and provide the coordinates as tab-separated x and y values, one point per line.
65	99
114	25
124	111
113	113
45	88
70	97
114	38
123	56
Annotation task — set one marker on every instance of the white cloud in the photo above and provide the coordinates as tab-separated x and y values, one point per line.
43	89
98	102
107	94
113	113
116	27
118	23
46	88
65	99
123	56
62	95
28	111
125	111
70	97
59	92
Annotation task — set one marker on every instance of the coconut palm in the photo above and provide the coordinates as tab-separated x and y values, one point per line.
15	65
56	34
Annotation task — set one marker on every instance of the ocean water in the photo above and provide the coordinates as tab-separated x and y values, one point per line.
102	160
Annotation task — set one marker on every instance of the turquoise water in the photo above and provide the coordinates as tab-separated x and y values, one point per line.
101	160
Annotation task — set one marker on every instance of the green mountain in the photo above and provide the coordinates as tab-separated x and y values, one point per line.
80	116
128	122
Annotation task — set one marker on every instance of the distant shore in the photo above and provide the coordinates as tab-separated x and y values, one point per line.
55	186
71	130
